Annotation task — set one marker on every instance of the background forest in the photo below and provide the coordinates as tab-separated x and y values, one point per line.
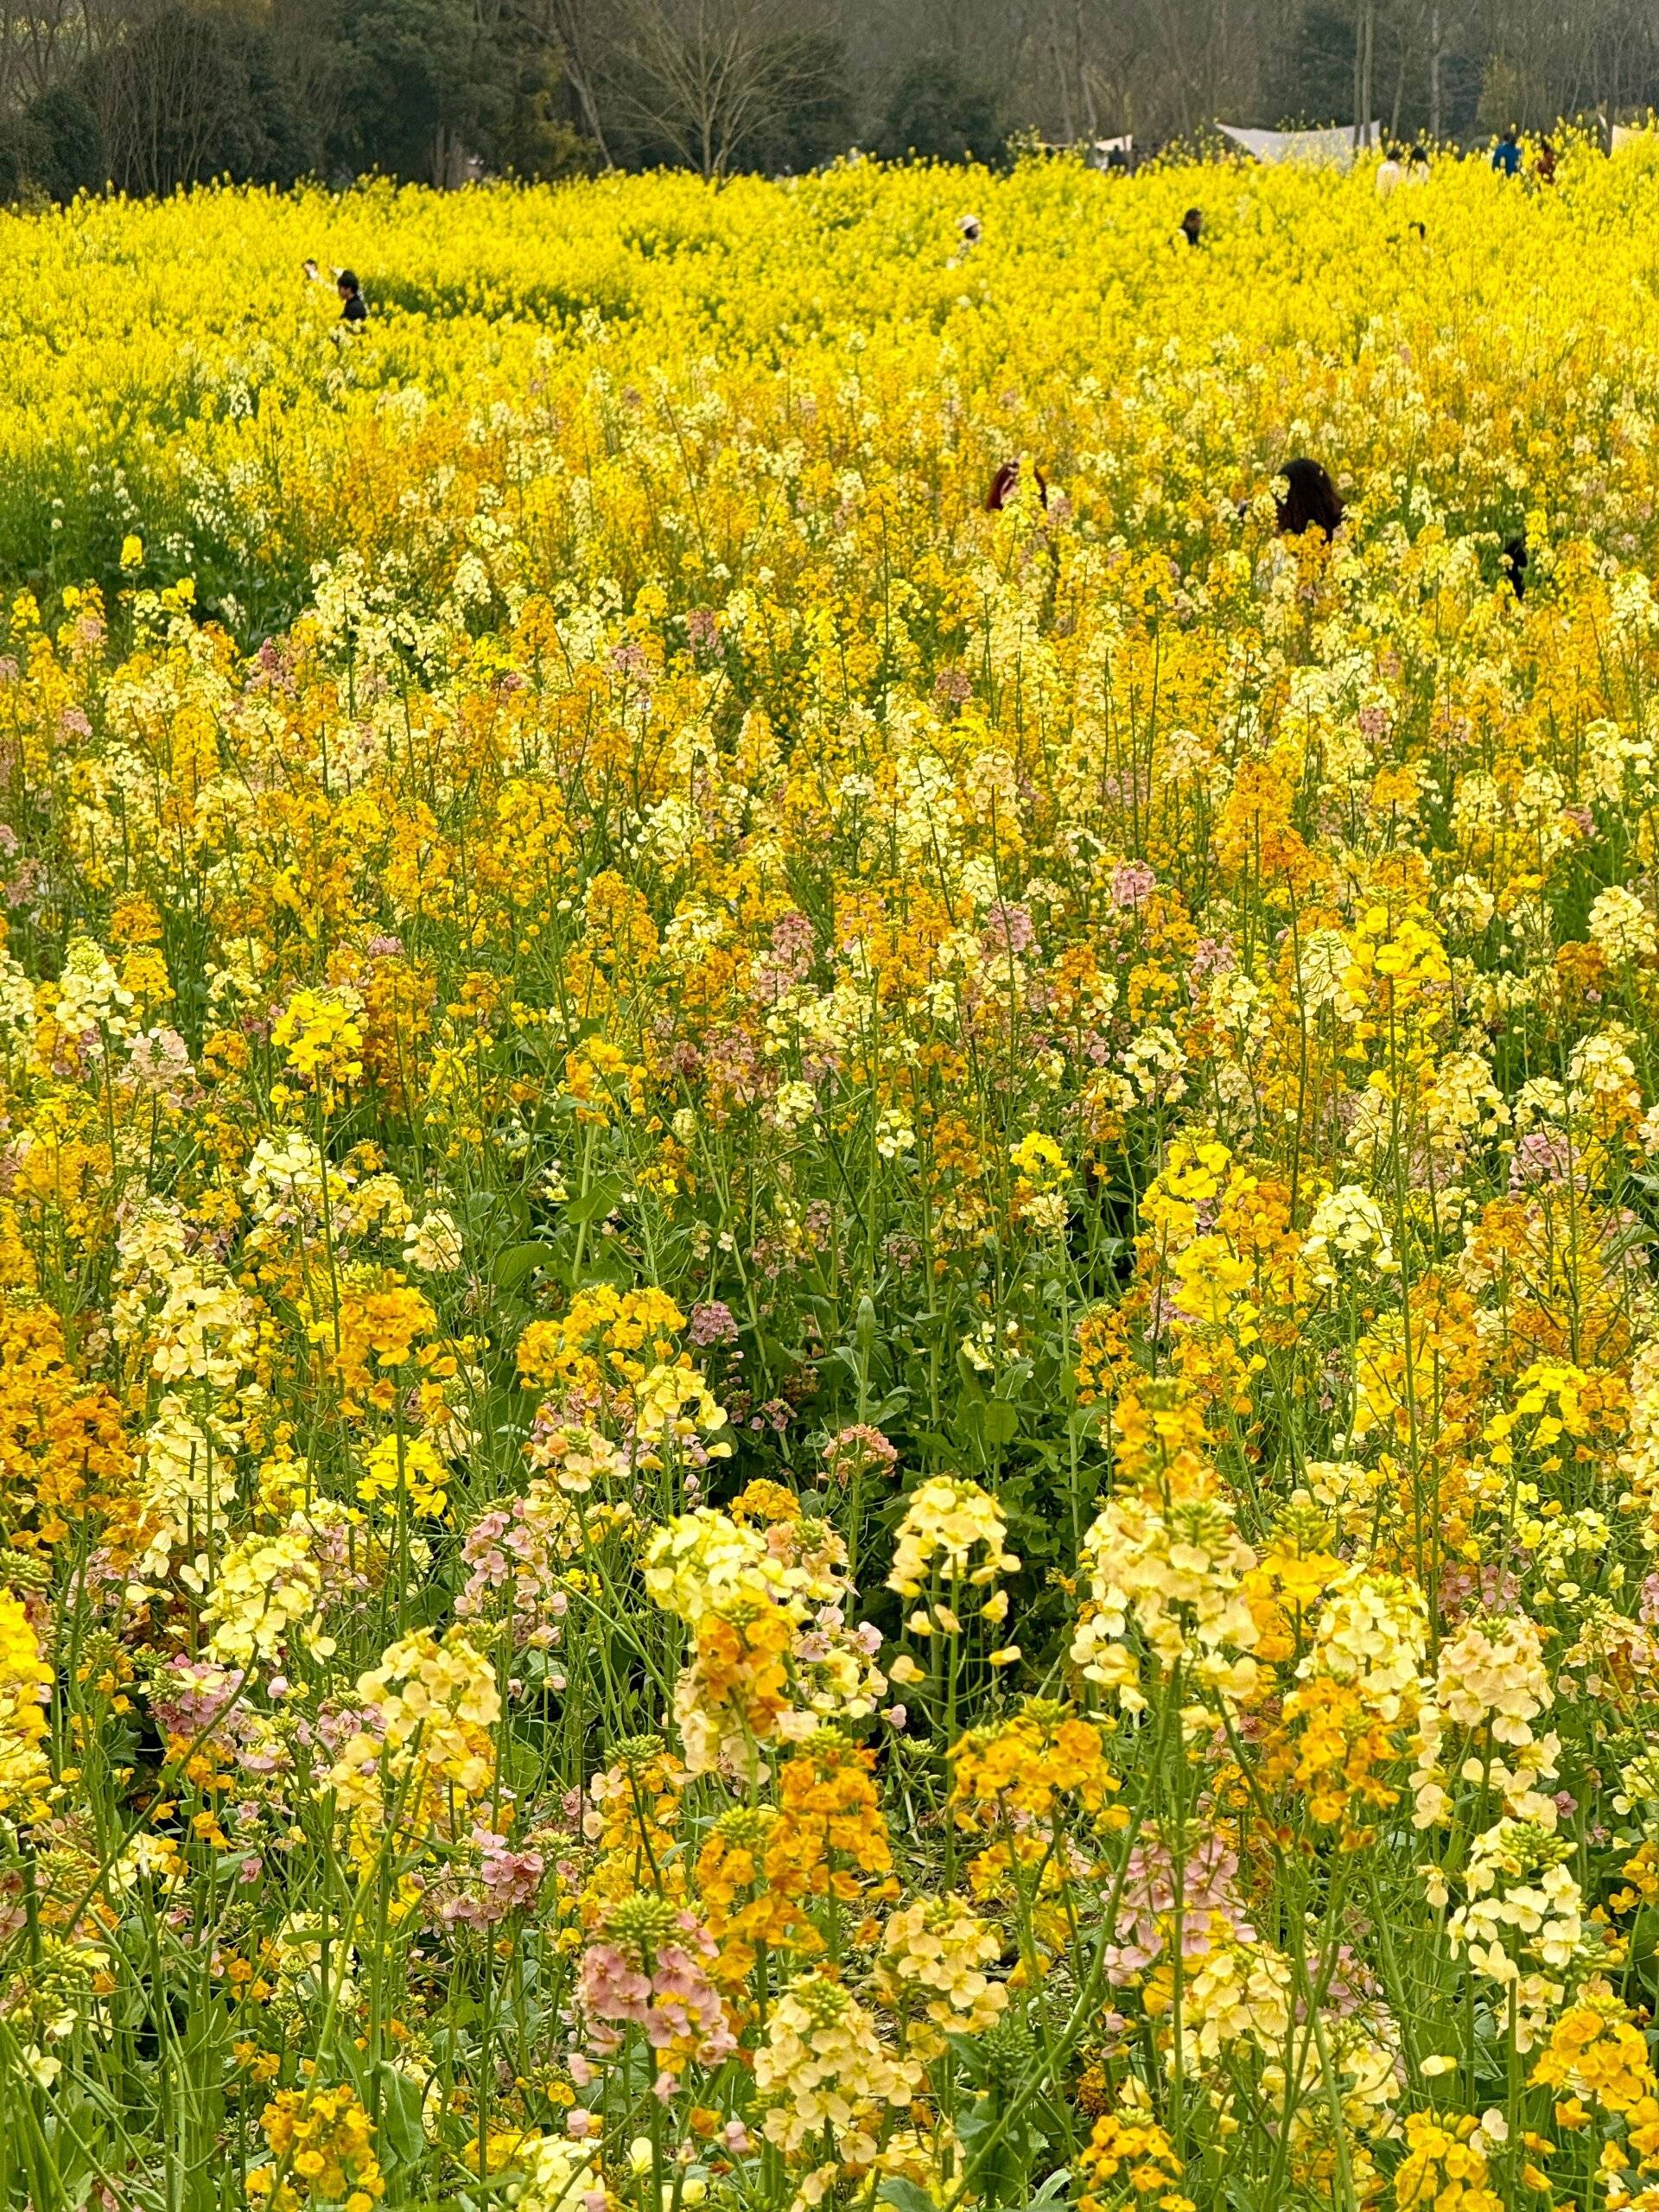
150	94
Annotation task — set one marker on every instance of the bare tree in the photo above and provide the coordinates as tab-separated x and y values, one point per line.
1095	49
1622	40
41	40
1205	61
705	78
577	34
1117	66
1364	61
163	94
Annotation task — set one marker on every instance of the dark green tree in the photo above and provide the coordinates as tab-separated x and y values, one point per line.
59	143
415	95
184	96
431	87
815	119
939	112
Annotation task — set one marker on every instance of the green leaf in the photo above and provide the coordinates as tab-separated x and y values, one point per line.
400	2131
976	2120
597	1201
996	1422
906	2196
611	1263
514	1267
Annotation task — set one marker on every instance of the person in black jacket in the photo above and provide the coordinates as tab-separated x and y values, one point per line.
353	307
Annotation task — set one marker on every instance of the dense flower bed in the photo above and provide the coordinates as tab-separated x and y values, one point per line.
829	1355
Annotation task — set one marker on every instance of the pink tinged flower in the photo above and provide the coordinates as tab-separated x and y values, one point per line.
712	1323
1542	1156
1133	884
859	1450
511	1877
1146	1907
1212	956
1008	929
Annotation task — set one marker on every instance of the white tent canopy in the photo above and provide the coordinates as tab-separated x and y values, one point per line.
1331	149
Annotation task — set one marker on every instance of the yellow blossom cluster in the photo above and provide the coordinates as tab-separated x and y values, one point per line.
829	1318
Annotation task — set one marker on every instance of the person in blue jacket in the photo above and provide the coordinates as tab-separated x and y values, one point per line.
1506	154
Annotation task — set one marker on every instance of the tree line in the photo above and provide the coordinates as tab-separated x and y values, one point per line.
147	95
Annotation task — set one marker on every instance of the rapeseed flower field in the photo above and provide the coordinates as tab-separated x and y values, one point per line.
828	1335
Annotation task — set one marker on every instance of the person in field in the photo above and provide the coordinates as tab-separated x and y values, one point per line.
1006	483
353	307
1309	501
1192	226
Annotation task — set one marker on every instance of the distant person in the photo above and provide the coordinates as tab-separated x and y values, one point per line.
1310	500
1513	562
1506	154
1417	164
1544	164
1390	173
1006	483
1192	226
353	307
969	233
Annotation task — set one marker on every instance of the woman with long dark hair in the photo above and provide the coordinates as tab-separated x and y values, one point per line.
1310	500
1006	483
